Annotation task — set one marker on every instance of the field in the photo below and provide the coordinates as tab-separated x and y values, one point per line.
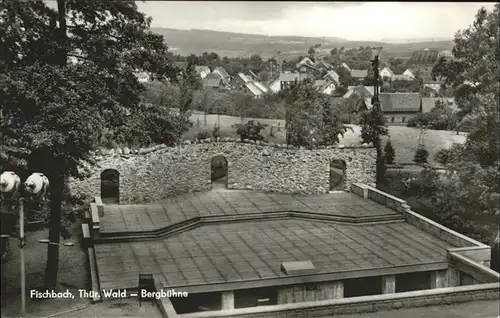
404	139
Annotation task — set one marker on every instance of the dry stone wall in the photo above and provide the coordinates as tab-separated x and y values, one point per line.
153	174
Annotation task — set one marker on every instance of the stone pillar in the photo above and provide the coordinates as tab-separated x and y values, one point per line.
453	277
332	290
227	300
338	289
439	279
388	284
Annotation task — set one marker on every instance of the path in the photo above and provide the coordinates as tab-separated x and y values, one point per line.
220	184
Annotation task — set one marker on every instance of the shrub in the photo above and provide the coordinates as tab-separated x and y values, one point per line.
421	155
251	130
443	156
216	132
389	152
202	135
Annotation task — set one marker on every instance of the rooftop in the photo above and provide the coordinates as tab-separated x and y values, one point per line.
400	102
359	73
239	239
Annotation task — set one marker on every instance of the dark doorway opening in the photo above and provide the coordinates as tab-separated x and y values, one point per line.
219	171
363	286
337	174
110	186
413	281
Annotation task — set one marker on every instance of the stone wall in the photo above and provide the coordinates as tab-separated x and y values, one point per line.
153	174
364	304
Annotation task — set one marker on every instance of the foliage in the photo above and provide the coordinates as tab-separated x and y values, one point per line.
189	83
234	103
446	155
373	127
202	135
250	130
216	132
312	118
461	202
161	94
421	155
413	86
389	152
441	117
50	126
466	197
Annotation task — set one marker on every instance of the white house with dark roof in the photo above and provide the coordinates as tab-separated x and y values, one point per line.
332	75
305	61
409	74
223	74
431	83
284	80
202	71
324	86
386	72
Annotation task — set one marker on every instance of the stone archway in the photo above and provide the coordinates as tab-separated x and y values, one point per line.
219	172
110	186
337	174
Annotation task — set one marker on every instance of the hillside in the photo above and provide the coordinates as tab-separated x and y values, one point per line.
185	42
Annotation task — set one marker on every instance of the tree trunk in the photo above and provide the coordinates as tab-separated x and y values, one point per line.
56	196
61	17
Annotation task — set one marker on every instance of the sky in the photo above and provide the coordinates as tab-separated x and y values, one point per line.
355	21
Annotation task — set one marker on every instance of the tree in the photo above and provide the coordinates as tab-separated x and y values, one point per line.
389	152
250	130
312	119
421	154
189	83
373	125
52	125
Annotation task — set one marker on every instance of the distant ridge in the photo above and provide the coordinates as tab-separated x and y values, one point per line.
230	44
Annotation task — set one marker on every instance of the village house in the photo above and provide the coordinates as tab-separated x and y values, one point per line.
224	75
398	108
305	61
324	86
433	84
252	76
213	80
360	97
202	71
344	65
409	74
386	73
323	66
261	86
254	90
284	80
239	81
310	70
333	76
359	74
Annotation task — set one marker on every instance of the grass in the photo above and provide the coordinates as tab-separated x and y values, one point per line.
404	139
